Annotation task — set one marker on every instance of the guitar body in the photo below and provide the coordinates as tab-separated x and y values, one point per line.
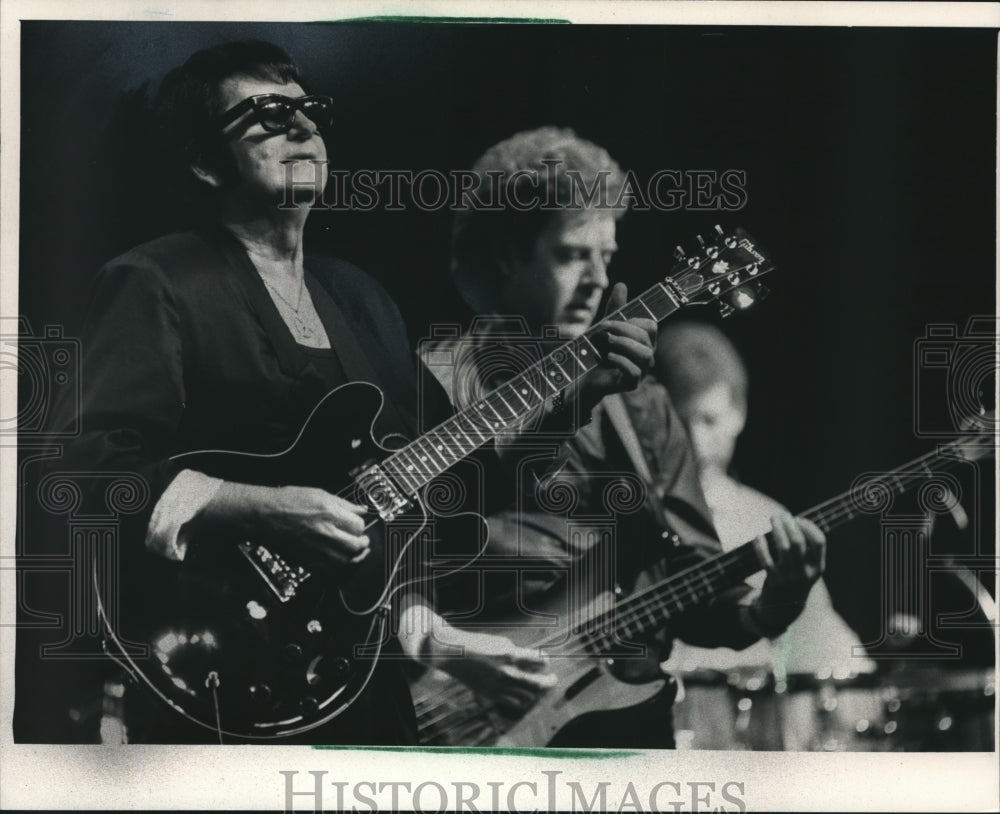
592	683
256	644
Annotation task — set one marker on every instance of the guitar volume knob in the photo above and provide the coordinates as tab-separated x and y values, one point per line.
260	693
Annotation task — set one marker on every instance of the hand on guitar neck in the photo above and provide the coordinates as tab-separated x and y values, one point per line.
626	347
794	554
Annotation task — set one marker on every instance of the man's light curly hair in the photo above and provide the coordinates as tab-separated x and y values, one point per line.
547	173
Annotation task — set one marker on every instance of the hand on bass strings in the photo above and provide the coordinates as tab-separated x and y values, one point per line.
794	553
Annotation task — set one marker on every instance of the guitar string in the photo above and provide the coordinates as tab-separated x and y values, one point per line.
651	598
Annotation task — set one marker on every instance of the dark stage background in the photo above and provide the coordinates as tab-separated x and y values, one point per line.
869	156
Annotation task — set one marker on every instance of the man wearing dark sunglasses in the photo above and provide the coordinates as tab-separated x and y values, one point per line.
226	338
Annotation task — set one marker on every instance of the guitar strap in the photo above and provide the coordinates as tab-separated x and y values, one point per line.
614	406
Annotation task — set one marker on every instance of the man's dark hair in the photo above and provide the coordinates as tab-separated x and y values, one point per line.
525	182
189	102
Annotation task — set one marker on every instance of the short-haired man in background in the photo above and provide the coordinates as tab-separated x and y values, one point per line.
707	381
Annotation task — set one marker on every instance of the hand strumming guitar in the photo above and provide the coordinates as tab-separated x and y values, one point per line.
489	664
319	526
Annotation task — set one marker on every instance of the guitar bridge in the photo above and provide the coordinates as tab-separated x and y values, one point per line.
281	577
382	493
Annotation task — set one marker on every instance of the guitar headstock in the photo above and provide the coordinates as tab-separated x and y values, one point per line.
980	439
725	270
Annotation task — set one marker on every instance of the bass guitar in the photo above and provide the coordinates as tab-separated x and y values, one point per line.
589	653
254	644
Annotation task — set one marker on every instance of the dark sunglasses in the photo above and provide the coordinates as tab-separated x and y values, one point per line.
276	112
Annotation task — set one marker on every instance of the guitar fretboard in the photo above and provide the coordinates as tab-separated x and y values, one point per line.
702	583
512	403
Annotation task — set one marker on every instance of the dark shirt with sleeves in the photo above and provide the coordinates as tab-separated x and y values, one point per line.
183	350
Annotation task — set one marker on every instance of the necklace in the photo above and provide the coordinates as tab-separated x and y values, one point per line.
300	326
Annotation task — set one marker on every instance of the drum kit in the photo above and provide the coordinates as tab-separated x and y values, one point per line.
916	705
929	709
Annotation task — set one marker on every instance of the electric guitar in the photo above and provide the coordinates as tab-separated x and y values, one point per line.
591	648
253	643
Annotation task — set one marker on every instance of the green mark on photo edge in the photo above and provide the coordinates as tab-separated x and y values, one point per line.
558	754
450	20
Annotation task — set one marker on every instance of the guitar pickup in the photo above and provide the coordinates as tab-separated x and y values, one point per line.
279	575
382	493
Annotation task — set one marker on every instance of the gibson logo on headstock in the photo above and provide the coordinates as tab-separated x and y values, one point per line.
748	246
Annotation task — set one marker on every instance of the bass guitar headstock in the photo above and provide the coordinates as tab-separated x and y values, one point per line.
980	439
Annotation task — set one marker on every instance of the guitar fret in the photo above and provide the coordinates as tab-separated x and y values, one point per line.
576	358
432	448
424	458
459	439
533	390
404	456
598	644
441	447
398	475
482	437
694	584
631	309
514	415
413	466
557	358
520	396
493	426
500	419
588	350
468	438
499	395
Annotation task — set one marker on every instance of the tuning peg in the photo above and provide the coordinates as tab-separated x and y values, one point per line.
742	298
718	230
679	253
701	241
